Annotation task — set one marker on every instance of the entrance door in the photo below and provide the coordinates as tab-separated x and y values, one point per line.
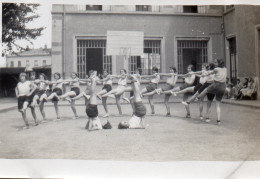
191	57
94	59
258	96
233	59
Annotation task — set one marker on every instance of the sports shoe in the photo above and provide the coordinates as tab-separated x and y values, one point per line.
58	119
126	99
111	96
106	115
168	114
201	118
188	116
36	124
99	97
87	96
196	99
174	94
158	91
68	99
75	117
207	120
26	127
218	122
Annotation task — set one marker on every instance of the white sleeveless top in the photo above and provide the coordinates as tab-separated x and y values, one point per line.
220	74
203	79
122	81
108	81
43	86
24	88
57	85
155	79
74	84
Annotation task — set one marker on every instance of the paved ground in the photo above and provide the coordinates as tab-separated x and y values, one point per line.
165	139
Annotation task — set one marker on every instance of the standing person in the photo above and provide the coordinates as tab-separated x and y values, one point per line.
41	95
91	109
107	87
218	87
152	86
189	81
23	92
74	91
170	83
56	92
122	83
137	120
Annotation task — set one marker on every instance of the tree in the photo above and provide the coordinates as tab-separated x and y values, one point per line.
14	19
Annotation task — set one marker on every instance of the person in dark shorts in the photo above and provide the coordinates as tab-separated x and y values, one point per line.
155	78
23	90
137	120
107	82
218	87
57	86
91	108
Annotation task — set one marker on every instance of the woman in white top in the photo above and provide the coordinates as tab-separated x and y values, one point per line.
122	83
152	86
107	82
40	97
218	87
57	85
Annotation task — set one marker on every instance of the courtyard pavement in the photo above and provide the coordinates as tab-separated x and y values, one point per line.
172	138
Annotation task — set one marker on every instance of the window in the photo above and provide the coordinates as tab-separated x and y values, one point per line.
44	63
193	52
12	64
19	64
91	54
35	63
150	59
190	9
27	63
233	60
143	8
94	7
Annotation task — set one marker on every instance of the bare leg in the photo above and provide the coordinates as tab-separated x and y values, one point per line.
132	104
74	109
144	90
25	119
118	104
114	91
187	107
104	102
35	98
201	107
41	106
166	100
208	110
170	91
68	94
150	93
186	90
218	111
191	99
150	99
34	115
56	109
52	96
79	96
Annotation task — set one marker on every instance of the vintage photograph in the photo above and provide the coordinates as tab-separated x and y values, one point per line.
143	83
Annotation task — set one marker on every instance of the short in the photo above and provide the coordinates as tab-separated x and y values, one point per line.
92	110
218	89
131	93
210	96
40	93
107	87
197	87
167	87
21	100
76	90
58	91
203	87
94	124
140	109
151	87
30	98
185	85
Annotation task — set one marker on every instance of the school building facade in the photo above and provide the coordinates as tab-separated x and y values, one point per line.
173	36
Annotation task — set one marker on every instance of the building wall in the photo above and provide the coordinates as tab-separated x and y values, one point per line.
167	27
23	60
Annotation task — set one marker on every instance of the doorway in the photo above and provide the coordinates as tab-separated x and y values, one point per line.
233	59
191	56
94	59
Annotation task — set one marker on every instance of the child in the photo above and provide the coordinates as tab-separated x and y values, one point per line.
107	87
56	92
218	87
40	97
91	109
137	120
152	86
23	92
122	83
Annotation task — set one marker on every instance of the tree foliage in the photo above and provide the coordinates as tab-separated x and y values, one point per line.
14	19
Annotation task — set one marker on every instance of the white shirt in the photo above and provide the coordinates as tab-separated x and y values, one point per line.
108	81
190	79
122	81
220	74
172	80
23	88
43	86
57	85
203	78
155	79
74	84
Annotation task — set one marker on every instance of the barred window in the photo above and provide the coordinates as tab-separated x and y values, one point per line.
190	9
143	8
94	7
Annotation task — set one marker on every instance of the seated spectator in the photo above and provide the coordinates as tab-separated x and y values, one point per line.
250	90
236	89
228	89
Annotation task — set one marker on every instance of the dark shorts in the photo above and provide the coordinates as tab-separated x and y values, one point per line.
140	109
167	87
30	98
58	91
197	87
92	110
203	87
76	90
21	100
185	85
218	89
131	93
151	87
210	96
40	93
107	88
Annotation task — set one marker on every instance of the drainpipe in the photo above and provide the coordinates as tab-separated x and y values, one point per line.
63	44
224	36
